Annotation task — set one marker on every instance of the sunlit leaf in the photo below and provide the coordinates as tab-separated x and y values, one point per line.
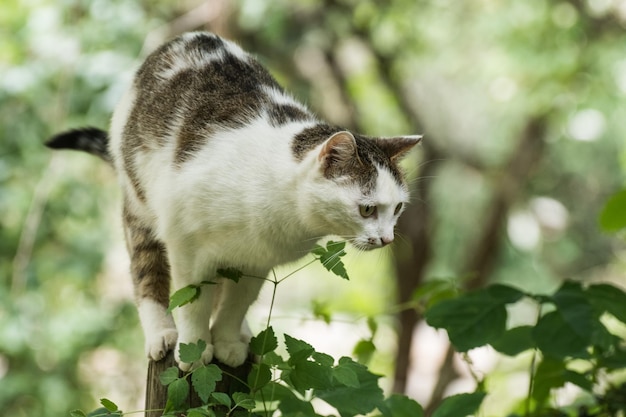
191	352
613	216
183	296
264	342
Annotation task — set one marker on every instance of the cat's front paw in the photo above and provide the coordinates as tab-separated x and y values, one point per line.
205	358
159	344
231	353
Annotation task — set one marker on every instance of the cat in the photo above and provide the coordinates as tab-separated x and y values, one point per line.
221	168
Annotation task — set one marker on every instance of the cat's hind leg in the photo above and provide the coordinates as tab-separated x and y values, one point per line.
151	279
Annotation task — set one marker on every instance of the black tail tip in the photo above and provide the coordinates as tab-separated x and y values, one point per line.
70	139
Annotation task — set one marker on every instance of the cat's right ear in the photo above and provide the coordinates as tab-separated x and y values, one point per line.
337	151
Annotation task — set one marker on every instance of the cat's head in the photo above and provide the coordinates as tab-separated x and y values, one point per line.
358	189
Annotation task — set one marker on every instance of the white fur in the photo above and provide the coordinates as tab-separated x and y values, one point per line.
241	201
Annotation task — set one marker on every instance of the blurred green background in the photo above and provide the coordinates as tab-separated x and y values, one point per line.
523	108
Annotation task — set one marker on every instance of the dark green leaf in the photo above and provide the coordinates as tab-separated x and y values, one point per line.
554	337
550	374
100	412
369	394
298	350
578	379
471	320
400	406
177	394
221	398
363	350
606	297
274	391
191	352
243	400
198	412
264	343
515	341
323	359
573	305
260	376
108	404
295	407
345	375
504	294
613	216
204	380
77	413
310	375
169	375
460	405
330	257
183	296
274	359
230	273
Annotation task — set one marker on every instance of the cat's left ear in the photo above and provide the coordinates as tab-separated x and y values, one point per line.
397	147
337	151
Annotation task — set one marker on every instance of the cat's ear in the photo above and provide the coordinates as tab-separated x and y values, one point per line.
397	147
338	150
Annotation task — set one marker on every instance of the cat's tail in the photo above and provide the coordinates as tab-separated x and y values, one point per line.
88	139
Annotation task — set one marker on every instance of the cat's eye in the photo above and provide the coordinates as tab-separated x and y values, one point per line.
367	211
397	209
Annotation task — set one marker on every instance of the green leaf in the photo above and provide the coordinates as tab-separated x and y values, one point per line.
221	398
606	297
613	216
575	309
555	337
330	257
401	406
515	341
259	376
321	311
77	413
177	394
295	407
199	412
204	380
230	273
99	412
340	396
364	350
473	319
169	375
345	375
460	405
435	290
264	342
298	350
108	404
191	352
549	374
183	296
310	375
243	400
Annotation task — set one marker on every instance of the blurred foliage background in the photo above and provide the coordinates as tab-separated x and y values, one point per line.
522	105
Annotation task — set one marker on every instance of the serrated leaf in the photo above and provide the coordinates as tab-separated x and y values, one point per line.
460	405
259	376
330	257
177	394
549	375
99	412
191	352
183	296
264	342
323	359
298	350
169	375
230	273
369	394
401	406
613	215
243	400
204	380
310	375
345	375
77	413
108	404
293	406
198	412
221	398
573	305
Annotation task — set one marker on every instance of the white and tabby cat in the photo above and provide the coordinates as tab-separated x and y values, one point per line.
220	168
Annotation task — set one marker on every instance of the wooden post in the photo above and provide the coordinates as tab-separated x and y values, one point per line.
156	393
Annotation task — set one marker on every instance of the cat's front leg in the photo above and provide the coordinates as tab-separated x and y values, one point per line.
231	345
192	321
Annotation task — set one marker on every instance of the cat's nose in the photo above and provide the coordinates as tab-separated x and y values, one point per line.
385	240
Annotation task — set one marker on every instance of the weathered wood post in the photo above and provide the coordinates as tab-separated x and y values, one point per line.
156	393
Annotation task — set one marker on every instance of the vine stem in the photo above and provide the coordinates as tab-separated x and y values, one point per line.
533	363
